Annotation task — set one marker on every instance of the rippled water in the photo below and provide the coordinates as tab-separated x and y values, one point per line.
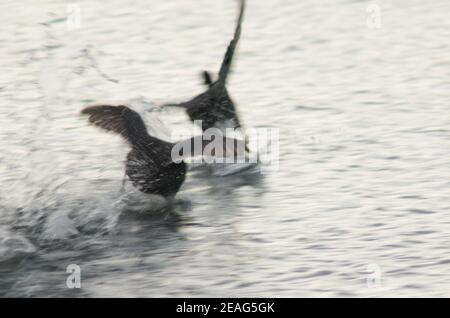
358	207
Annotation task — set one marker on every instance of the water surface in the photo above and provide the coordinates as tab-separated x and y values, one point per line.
363	179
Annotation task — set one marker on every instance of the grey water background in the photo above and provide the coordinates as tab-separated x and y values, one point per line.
358	207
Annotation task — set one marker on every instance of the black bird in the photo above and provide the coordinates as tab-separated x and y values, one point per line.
215	107
149	164
152	166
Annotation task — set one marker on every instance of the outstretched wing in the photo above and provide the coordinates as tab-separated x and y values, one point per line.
226	64
119	119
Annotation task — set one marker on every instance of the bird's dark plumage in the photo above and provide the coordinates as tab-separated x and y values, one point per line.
215	106
155	166
149	164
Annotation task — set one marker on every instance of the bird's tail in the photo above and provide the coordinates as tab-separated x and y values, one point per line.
119	119
226	64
